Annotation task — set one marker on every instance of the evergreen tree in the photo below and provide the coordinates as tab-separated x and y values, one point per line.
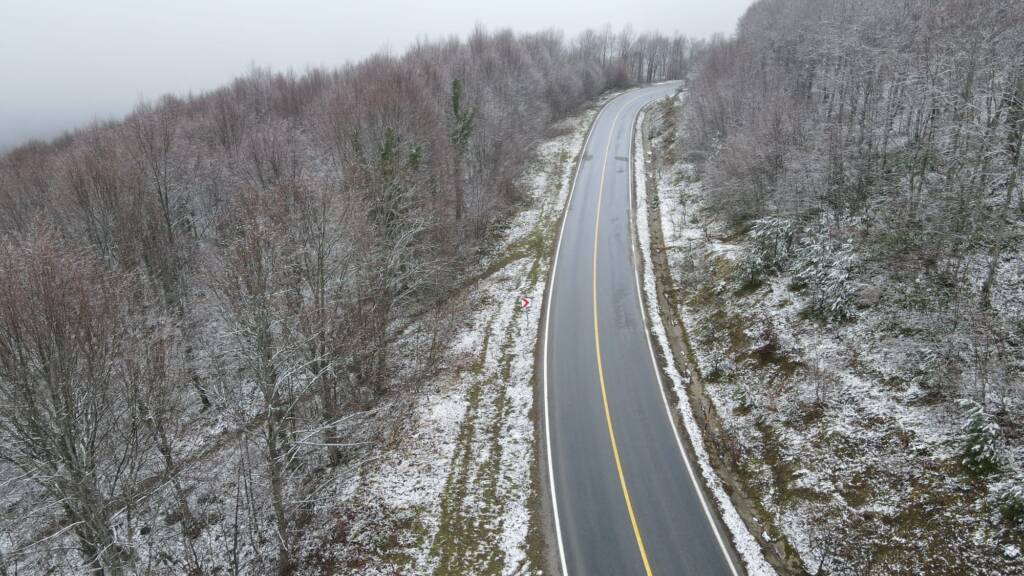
1010	499
980	440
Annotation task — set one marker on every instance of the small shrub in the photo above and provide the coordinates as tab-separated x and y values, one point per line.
715	365
924	365
925	373
979	440
1009	496
741	394
825	272
770	249
1018	325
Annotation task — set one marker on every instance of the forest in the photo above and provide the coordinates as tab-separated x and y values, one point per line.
850	172
220	309
894	125
880	143
237	265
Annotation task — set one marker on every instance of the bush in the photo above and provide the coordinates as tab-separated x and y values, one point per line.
742	395
825	271
1009	497
770	249
925	364
979	440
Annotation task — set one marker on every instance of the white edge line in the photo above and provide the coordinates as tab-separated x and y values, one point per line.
654	360
547	327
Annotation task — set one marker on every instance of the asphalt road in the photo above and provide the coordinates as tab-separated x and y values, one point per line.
624	499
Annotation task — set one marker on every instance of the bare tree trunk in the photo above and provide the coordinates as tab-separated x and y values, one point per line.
275	466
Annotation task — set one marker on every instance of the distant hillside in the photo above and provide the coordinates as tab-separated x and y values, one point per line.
848	178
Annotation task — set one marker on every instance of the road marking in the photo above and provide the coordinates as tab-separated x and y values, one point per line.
549	303
657	373
547	326
597	347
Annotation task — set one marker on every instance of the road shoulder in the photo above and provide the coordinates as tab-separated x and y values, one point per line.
692	412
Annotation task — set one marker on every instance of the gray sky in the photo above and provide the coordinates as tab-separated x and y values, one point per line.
64	63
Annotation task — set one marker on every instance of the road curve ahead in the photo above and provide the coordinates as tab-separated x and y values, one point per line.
625	498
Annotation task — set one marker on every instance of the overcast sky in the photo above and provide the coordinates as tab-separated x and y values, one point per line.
65	63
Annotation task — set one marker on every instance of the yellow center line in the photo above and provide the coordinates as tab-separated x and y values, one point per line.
597	346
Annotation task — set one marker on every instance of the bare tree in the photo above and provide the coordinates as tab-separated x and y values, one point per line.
392	264
154	394
253	276
320	297
463	116
153	137
279	235
62	420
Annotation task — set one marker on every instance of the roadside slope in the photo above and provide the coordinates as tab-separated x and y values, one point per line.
460	495
844	467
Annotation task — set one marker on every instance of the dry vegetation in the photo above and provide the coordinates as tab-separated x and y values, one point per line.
844	184
199	304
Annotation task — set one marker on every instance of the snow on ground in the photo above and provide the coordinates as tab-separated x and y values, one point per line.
462	486
853	467
451	492
745	544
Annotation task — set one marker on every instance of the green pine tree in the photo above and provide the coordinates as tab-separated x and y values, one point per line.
979	440
1010	498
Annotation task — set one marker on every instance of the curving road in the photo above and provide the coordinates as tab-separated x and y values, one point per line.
625	497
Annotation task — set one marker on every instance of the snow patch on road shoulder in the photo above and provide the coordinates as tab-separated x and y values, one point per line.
747	547
456	495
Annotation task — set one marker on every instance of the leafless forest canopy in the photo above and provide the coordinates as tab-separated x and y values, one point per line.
221	278
887	137
867	156
236	265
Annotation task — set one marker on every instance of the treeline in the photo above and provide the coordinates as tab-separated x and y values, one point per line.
876	146
248	257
